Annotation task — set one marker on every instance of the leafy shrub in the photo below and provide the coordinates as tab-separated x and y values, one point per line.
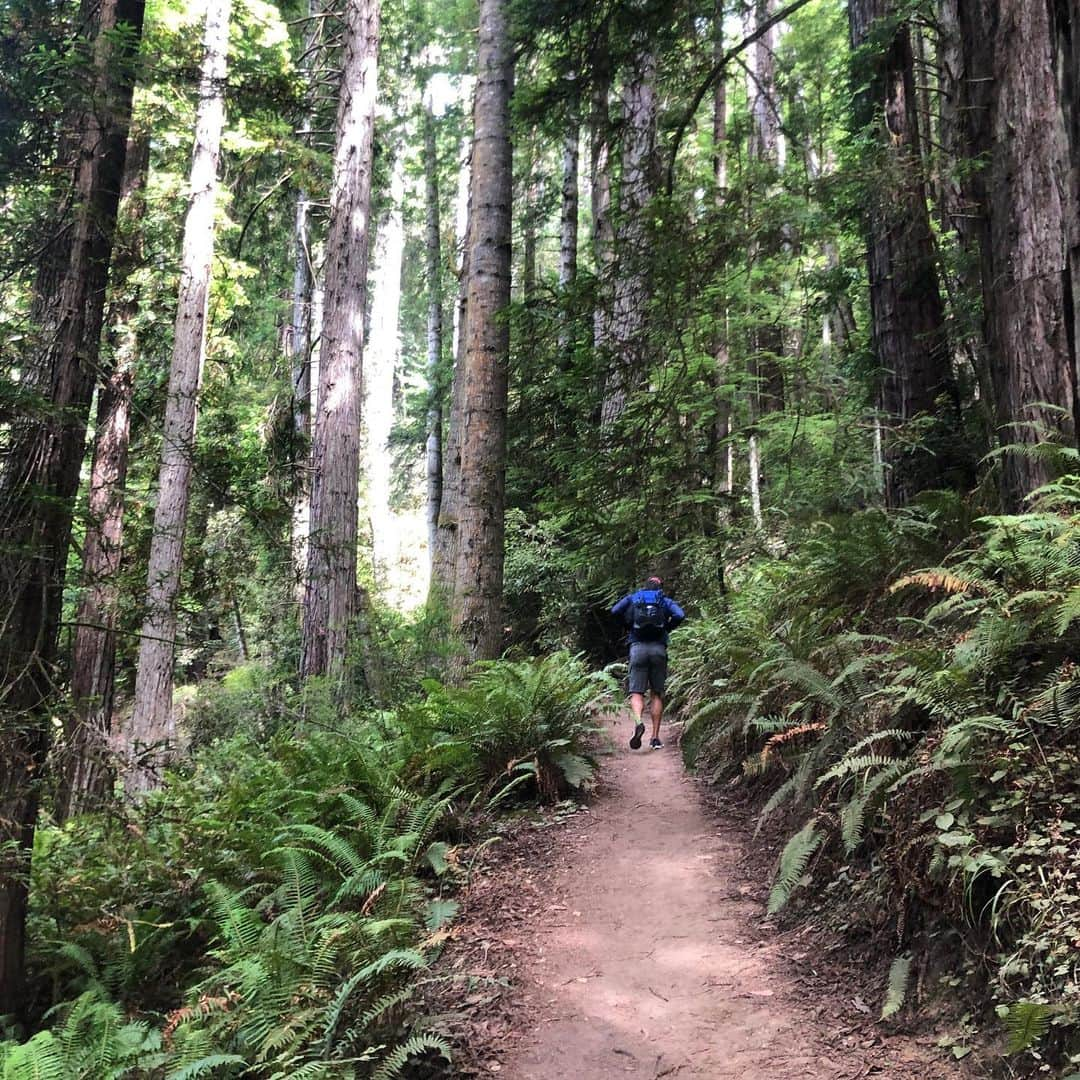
915	719
267	912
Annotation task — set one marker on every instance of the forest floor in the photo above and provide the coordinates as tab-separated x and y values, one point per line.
626	939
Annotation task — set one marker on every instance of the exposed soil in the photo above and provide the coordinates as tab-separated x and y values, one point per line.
626	940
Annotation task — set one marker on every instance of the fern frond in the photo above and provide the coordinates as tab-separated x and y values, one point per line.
776	800
793	863
205	1066
1026	1023
896	990
394	1063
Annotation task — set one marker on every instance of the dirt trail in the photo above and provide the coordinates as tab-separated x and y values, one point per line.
645	960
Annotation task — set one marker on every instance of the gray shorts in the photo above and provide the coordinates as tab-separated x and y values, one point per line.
648	666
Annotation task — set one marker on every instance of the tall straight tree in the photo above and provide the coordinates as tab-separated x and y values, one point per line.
444	555
84	770
568	214
907	313
766	149
1019	118
600	152
380	365
637	185
722	457
152	715
330	590
433	273
477	610
44	448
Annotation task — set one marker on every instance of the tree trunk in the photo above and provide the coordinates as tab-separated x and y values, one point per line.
534	194
603	233
905	300
637	186
1026	231
380	364
477	614
152	727
568	226
330	589
433	252
304	330
84	769
721	427
766	147
44	453
444	562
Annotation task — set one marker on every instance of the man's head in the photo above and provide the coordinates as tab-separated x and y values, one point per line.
654	582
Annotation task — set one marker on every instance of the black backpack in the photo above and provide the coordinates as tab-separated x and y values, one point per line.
648	615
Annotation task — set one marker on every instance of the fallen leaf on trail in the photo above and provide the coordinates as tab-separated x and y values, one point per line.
861	1005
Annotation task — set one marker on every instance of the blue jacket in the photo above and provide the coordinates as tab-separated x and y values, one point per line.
624	606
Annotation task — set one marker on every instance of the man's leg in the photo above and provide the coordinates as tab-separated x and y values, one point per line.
657	681
639	676
656	707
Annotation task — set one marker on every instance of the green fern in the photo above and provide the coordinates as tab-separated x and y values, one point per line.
793	862
205	1066
394	1063
780	796
896	990
1026	1023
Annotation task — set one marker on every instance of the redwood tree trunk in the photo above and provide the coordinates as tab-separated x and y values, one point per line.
719	456
444	562
905	300
330	589
433	268
766	147
380	364
85	760
637	186
1025	197
152	717
45	451
603	233
477	613
568	225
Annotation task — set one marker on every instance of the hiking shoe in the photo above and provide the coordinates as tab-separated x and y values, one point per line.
635	742
655	744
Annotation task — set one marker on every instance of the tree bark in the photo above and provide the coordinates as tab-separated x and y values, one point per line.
477	613
380	364
84	769
433	267
568	225
444	562
603	233
719	456
905	300
330	589
44	452
637	187
1018	124
152	725
765	146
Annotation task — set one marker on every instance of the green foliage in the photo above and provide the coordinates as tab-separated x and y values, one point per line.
1027	1023
273	906
924	712
793	863
897	987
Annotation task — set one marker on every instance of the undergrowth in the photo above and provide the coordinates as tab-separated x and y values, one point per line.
270	912
901	694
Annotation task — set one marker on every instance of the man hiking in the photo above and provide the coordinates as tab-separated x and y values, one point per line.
650	616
